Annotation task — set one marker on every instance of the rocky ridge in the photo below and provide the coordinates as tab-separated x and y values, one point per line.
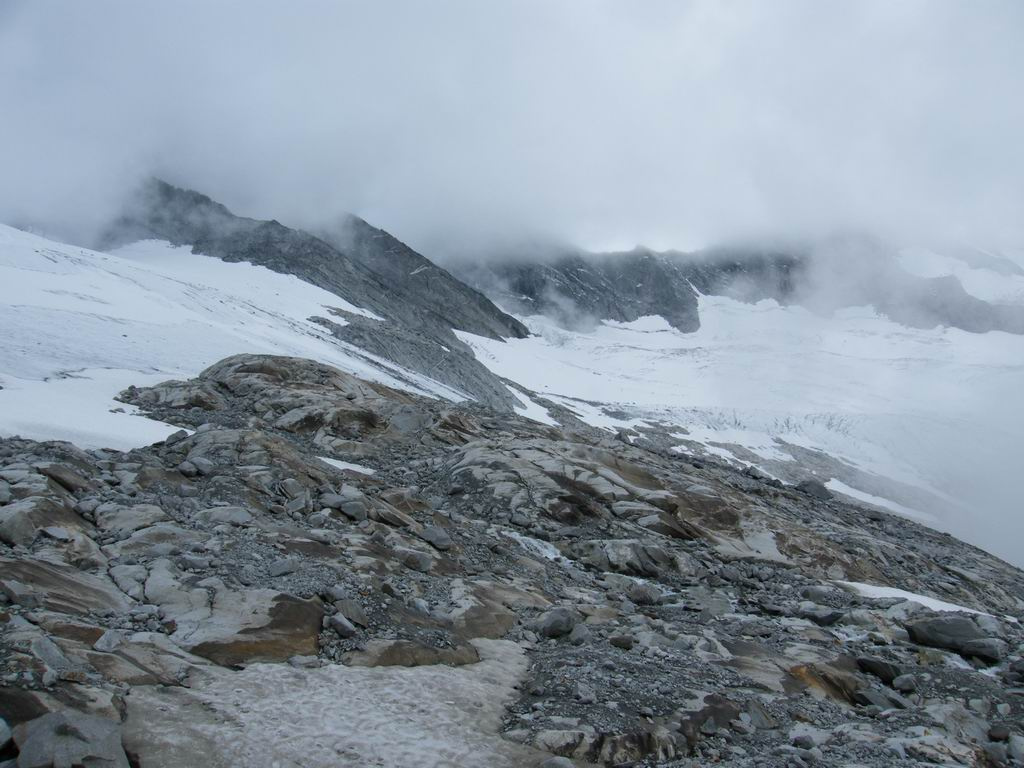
578	288
312	546
419	302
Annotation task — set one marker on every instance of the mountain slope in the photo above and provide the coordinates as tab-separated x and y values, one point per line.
375	272
413	280
81	325
305	554
832	274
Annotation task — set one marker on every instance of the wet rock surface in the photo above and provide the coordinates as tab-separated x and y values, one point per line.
557	595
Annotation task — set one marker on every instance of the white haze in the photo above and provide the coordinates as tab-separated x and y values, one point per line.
461	125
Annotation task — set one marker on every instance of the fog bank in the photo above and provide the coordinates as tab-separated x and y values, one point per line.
463	126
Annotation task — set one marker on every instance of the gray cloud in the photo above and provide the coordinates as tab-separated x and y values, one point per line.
461	124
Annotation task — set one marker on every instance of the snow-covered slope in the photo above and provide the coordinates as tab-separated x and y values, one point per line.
921	422
81	325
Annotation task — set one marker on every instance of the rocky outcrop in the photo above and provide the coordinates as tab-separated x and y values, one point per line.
537	592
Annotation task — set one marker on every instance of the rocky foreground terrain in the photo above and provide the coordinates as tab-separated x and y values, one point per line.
321	571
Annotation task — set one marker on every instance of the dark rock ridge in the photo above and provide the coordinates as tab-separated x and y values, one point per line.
355	261
497	592
579	288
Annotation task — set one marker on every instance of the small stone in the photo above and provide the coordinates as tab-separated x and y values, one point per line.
803	741
203	466
321	535
420	605
557	622
193	562
224	515
999	732
283	567
585	694
625	642
437	537
905	683
108	641
292	488
417	561
580	634
644	593
342	626
175	437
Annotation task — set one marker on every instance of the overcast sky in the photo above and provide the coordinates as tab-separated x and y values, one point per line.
457	125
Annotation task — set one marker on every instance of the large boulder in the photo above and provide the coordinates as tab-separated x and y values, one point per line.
23	520
959	634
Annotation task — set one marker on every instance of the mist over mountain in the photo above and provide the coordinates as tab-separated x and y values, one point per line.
523	385
581	288
679	125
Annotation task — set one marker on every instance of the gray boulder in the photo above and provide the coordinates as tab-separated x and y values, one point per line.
222	515
557	622
437	537
884	670
284	566
959	634
815	489
342	626
644	593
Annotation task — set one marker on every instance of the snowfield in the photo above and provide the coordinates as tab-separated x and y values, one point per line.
80	326
396	717
932	603
924	423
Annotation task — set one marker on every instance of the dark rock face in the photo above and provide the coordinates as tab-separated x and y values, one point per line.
580	288
366	266
413	279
